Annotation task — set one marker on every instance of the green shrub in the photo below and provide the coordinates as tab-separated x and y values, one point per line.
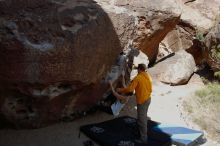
210	95
217	74
200	37
204	109
216	20
216	52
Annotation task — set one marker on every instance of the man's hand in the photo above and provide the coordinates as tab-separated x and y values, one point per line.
118	90
110	83
124	100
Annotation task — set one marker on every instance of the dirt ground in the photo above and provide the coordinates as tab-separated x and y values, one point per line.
165	107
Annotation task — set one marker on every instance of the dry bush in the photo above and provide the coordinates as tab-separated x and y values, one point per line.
204	109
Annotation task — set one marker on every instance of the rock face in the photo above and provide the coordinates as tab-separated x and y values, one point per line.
197	18
179	38
177	69
154	20
55	54
48	45
212	51
201	14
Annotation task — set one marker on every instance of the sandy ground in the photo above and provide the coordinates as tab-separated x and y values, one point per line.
165	107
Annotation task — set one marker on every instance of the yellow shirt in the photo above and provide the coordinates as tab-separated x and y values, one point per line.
142	84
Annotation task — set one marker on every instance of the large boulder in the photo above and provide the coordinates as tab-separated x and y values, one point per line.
55	55
176	69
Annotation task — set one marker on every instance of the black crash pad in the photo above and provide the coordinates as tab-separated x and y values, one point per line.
123	131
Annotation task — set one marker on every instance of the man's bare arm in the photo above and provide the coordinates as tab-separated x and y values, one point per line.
123	78
118	96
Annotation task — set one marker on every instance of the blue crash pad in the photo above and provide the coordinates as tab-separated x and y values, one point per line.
179	135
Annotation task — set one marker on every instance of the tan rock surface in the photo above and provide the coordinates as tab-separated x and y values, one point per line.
175	69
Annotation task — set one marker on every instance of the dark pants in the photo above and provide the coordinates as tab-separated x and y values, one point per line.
142	119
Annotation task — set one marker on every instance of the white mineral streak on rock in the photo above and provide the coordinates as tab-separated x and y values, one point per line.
51	91
110	7
42	46
73	29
